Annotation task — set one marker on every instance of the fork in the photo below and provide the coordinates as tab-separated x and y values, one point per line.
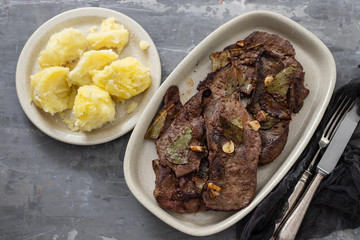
342	106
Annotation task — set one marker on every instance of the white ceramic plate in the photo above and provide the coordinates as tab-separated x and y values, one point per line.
83	19
320	77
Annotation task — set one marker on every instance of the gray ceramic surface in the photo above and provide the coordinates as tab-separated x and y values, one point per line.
54	190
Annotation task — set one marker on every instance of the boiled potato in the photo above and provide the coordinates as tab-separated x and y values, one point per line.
123	78
63	48
93	108
89	61
110	35
143	45
50	89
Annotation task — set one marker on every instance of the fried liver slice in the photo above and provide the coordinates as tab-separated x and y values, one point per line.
276	55
188	117
166	114
235	173
172	101
175	194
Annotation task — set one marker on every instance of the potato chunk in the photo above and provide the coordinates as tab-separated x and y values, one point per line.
123	78
92	60
63	48
144	45
93	108
50	89
110	35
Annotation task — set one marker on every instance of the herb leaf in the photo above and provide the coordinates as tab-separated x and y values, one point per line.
219	59
231	82
279	87
233	129
269	123
156	126
178	151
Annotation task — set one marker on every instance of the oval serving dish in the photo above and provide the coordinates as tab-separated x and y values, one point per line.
320	77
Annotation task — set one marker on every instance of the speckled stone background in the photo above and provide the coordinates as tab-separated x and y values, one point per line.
53	190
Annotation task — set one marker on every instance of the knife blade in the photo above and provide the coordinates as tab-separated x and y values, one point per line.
325	166
339	142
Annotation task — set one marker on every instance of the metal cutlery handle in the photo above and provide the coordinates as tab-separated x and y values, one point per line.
298	190
295	195
292	224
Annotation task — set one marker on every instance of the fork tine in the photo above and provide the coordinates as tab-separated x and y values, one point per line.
344	108
338	107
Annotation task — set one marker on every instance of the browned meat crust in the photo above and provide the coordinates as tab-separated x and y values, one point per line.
283	55
166	114
298	92
176	194
218	179
216	82
273	142
172	97
189	116
277	54
234	173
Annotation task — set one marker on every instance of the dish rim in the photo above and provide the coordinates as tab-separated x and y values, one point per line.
64	17
222	225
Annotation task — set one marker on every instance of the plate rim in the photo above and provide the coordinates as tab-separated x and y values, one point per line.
222	225
53	22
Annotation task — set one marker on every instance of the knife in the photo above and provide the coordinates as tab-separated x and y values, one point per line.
327	163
